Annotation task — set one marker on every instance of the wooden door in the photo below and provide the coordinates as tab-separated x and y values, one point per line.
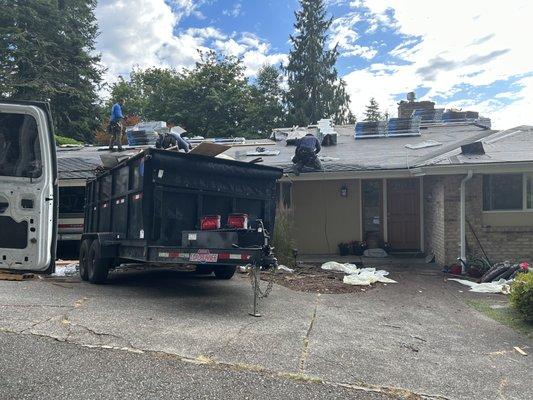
403	214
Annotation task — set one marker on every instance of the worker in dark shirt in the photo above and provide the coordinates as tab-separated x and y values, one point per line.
115	125
305	154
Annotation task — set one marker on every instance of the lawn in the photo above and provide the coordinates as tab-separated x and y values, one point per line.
503	313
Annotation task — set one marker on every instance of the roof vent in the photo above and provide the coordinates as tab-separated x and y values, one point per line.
473	149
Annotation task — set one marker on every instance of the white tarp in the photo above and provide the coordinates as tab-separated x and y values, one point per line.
358	276
367	276
347	268
500	286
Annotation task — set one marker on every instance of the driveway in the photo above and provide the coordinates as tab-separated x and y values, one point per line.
416	338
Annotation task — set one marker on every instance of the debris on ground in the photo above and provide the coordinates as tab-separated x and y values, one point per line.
314	279
519	350
66	270
347	268
501	286
15	276
367	276
283	268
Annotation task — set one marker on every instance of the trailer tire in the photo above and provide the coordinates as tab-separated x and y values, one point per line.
98	267
84	259
225	271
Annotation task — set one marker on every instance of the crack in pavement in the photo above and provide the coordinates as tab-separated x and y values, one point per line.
390	391
305	346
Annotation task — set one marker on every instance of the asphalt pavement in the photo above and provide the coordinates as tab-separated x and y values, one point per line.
157	333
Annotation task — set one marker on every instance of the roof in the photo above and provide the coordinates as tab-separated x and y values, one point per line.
375	153
437	145
508	146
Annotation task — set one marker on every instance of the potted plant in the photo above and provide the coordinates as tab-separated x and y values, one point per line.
344	249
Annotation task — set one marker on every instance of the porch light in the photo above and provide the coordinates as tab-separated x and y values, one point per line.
344	191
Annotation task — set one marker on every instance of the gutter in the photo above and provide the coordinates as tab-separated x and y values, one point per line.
463	219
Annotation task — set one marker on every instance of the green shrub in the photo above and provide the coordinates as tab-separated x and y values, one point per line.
522	295
283	238
61	140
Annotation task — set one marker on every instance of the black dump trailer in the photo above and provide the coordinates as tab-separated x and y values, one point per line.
163	207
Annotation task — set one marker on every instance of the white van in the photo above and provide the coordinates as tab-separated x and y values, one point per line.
28	187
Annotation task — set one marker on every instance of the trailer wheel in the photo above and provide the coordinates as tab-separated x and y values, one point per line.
225	271
98	267
84	259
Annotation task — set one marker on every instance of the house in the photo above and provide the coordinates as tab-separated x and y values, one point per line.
406	191
448	191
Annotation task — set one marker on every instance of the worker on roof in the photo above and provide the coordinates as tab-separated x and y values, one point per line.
305	155
115	125
173	138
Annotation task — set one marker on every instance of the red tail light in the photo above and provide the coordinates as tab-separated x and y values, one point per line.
238	221
210	222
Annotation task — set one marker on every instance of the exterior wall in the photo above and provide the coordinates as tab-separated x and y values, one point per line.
503	235
322	217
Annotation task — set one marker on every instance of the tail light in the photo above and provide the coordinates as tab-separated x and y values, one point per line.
210	222
238	221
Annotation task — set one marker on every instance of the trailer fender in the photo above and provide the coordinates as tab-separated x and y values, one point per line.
108	243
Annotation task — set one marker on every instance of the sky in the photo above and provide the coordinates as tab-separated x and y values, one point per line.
469	54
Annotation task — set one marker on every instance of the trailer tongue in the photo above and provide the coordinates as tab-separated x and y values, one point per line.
168	208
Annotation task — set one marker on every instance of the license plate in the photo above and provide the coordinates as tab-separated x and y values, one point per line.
203	257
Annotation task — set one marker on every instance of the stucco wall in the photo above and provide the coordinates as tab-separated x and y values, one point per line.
503	235
322	217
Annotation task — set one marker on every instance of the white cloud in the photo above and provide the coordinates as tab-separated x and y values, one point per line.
145	33
344	35
448	44
235	11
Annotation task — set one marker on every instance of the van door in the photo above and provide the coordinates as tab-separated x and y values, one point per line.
28	187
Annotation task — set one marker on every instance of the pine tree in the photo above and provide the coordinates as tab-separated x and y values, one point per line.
315	91
46	53
372	112
265	109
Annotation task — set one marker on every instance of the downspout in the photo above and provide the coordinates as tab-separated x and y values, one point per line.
463	219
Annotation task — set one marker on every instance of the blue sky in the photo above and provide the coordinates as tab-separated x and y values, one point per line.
471	54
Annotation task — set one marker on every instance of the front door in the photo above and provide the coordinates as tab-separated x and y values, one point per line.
372	196
403	214
28	187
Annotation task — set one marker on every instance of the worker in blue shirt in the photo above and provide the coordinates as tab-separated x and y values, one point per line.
305	155
115	125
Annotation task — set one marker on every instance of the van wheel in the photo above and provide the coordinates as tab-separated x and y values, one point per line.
84	259
225	271
98	267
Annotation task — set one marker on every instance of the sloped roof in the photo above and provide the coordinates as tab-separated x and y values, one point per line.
512	145
355	155
375	153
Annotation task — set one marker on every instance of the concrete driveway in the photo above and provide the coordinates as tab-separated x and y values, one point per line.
414	338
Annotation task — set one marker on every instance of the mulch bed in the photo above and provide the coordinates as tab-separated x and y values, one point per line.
313	279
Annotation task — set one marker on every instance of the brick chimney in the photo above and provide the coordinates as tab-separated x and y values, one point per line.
406	108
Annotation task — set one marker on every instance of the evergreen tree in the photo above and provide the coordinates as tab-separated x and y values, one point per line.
46	53
265	109
372	112
315	91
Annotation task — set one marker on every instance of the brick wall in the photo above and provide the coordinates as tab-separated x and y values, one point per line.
442	224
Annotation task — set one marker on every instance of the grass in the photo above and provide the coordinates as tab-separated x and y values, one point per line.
61	140
505	315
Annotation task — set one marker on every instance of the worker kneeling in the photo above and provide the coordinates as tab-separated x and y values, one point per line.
305	155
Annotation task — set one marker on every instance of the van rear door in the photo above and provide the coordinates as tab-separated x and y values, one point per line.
28	187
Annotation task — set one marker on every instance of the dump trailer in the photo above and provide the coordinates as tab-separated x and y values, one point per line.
165	208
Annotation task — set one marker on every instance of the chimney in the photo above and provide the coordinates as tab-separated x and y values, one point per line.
406	108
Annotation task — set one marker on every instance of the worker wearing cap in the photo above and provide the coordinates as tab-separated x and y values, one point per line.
305	154
115	125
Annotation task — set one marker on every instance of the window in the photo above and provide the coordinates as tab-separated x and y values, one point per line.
507	192
20	151
71	199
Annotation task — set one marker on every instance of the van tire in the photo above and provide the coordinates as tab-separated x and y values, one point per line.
84	259
98	267
225	271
